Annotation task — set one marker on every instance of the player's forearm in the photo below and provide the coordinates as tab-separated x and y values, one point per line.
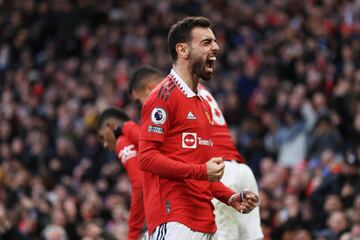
221	192
153	161
132	131
137	215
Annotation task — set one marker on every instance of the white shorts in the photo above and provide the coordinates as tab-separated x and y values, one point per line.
145	236
178	231
231	224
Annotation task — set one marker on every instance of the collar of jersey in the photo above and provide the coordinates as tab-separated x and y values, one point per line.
182	85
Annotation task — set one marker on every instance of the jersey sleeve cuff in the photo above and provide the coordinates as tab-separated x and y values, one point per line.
203	172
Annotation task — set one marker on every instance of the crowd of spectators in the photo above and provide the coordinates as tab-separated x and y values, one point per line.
287	80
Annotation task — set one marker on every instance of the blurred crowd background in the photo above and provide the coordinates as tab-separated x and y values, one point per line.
287	79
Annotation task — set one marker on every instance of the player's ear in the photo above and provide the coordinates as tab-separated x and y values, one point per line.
183	50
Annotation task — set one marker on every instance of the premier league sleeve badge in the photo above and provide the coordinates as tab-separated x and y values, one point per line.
158	116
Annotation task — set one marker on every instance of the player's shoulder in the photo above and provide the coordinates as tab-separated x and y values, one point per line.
122	142
163	91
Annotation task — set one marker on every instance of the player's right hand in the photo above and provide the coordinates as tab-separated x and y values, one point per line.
215	169
244	202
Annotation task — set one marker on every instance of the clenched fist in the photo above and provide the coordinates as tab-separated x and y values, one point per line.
215	169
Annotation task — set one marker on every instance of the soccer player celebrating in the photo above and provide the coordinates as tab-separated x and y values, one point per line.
238	176
109	130
175	143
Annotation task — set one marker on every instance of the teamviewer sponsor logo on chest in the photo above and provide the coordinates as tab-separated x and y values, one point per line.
191	140
205	142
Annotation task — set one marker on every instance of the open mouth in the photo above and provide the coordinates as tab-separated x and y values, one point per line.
209	63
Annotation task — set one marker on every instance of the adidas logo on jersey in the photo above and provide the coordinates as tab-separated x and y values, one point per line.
190	116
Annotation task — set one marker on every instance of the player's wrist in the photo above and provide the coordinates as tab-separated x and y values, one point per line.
203	172
236	197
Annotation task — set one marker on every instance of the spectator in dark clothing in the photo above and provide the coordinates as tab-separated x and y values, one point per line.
343	187
324	136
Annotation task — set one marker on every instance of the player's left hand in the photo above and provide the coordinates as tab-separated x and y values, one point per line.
244	202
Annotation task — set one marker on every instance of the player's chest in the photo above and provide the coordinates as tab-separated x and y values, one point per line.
193	123
193	112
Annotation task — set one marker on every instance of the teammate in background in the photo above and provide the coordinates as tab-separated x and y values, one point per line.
109	127
238	176
175	143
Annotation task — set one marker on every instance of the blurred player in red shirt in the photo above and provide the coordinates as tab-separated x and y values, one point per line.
175	143
109	131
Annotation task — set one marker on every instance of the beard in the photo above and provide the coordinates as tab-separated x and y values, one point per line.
198	67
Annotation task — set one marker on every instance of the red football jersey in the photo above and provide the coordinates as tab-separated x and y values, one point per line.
128	155
223	144
175	144
131	130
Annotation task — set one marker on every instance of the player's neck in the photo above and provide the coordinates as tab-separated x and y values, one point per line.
191	80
